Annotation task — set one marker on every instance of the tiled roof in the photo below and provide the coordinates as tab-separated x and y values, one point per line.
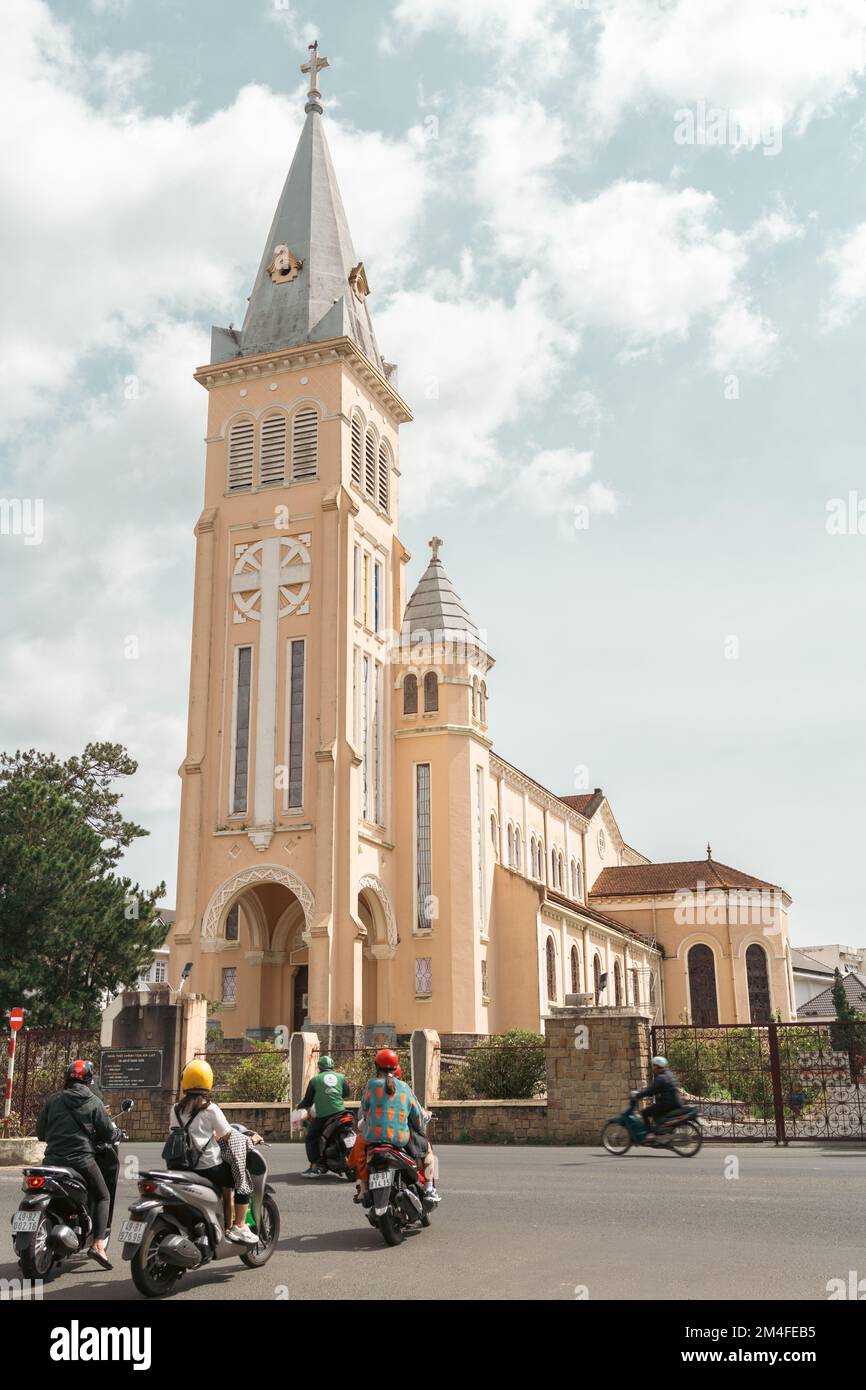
587	803
594	915
822	1005
628	880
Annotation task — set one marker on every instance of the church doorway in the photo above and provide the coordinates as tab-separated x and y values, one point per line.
299	998
369	969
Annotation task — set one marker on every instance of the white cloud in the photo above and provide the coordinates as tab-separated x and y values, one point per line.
748	56
847	257
742	339
526	29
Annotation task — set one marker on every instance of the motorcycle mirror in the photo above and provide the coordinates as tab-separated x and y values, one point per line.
127	1104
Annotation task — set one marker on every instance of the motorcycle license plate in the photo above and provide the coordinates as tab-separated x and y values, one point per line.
381	1179
349	1141
25	1221
132	1232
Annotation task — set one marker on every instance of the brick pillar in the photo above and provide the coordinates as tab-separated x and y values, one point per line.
177	1025
595	1056
304	1052
424	1050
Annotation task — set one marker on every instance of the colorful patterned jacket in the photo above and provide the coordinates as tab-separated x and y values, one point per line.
387	1118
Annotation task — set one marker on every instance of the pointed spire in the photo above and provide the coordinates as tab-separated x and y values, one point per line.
310	284
436	611
709	852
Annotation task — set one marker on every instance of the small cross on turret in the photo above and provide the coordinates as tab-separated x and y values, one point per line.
434	545
314	67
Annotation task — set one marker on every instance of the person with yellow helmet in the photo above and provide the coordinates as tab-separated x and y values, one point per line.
200	1130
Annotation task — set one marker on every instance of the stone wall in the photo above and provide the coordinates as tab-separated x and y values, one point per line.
595	1056
489	1122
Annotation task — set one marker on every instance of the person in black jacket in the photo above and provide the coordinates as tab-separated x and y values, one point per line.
71	1123
663	1089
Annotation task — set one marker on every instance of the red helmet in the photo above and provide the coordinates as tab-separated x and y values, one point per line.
79	1070
398	1072
387	1059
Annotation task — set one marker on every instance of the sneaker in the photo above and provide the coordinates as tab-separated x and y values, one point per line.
431	1195
314	1173
242	1235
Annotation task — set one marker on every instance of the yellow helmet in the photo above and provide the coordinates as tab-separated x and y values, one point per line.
197	1076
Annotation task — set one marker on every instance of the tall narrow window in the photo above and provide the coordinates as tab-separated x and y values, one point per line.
365	589
431	693
357	450
510	840
230	985
240	456
479	839
233	923
241	759
384	476
356	604
370	464
759	984
423	848
702	987
377	596
423	977
365	737
378	748
272	466
485	981
305	446
635	987
518	848
596	977
575	970
494	834
297	653
482	703
474	697
550	952
617	983
410	695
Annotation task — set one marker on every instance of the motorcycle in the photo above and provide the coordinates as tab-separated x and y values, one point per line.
336	1142
679	1131
178	1225
54	1220
395	1200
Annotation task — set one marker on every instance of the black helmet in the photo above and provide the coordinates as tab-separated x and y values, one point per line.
79	1070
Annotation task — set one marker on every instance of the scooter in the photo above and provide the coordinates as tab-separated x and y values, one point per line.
396	1198
178	1224
336	1142
679	1131
54	1221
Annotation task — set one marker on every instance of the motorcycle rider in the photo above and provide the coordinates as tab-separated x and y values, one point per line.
421	1150
664	1087
388	1113
328	1092
72	1122
210	1133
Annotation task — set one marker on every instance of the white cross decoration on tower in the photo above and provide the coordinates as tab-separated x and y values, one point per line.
314	67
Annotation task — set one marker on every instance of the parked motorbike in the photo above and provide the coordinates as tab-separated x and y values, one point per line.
178	1224
679	1131
396	1199
54	1221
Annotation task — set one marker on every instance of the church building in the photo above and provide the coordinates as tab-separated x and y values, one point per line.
353	851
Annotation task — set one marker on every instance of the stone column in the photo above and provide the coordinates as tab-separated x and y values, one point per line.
595	1056
424	1050
304	1050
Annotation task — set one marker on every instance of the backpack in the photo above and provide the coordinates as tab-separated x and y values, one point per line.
179	1150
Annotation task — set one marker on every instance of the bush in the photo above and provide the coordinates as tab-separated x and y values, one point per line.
508	1066
261	1075
358	1067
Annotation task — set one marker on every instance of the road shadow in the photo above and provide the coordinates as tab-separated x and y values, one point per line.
360	1241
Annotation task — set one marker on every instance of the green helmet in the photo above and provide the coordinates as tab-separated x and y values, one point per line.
326	1063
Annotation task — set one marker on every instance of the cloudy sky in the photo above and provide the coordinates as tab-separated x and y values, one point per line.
619	252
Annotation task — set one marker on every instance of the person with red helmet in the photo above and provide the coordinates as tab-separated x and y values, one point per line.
71	1123
389	1113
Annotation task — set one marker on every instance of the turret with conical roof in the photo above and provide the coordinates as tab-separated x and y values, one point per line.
436	612
310	286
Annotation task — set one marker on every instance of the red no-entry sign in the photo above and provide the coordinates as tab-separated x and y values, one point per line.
16	1018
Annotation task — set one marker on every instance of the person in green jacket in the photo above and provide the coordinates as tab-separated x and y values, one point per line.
328	1092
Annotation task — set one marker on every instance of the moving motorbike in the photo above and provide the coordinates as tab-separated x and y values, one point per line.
336	1141
679	1131
54	1221
178	1224
396	1199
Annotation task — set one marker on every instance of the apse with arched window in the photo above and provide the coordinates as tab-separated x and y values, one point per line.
758	980
575	970
431	693
702	987
410	695
550	951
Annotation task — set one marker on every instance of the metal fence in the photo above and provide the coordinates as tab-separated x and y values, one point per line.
41	1058
782	1082
258	1074
495	1071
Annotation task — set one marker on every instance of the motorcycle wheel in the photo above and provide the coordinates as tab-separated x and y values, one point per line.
268	1235
392	1231
36	1256
616	1138
149	1275
686	1139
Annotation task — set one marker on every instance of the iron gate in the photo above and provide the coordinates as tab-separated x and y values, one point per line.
41	1058
781	1082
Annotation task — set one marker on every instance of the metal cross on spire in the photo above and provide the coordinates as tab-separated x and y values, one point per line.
434	545
314	67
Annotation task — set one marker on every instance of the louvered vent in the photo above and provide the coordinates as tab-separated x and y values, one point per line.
357	451
384	476
241	456
305	437
273	459
370	471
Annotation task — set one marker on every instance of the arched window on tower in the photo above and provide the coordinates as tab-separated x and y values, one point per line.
518	848
702	987
494	833
510	840
541	862
573	871
305	445
575	970
384	476
482	710
474	697
240	471
370	464
431	693
532	857
357	450
410	694
758	980
272	451
550	952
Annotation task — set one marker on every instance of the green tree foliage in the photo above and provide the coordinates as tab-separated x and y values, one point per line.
261	1075
72	932
849	1034
508	1066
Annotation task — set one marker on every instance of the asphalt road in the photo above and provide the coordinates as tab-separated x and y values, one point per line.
542	1223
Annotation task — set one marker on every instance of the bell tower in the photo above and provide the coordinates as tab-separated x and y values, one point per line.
286	806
